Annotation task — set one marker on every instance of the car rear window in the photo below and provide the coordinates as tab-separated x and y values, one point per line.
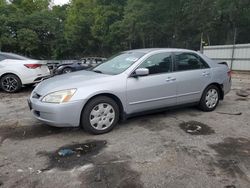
188	61
2	58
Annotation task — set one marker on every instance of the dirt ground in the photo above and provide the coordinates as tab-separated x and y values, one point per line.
176	149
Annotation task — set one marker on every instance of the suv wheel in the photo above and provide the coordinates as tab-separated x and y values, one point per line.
209	99
100	115
10	83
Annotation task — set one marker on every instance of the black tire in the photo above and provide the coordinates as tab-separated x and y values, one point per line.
10	83
86	114
67	70
203	102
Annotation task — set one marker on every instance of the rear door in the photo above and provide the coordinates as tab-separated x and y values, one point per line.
193	75
156	90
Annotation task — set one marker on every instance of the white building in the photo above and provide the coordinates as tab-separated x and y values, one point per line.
236	56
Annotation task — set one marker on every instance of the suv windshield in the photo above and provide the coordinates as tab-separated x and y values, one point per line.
118	63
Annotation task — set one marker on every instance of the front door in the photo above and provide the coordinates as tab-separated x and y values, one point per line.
156	90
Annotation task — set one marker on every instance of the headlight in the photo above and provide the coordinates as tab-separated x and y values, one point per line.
59	96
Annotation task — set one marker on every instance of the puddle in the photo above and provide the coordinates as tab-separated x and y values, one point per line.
242	93
230	186
233	156
241	99
81	155
231	113
88	166
196	128
233	147
29	132
111	175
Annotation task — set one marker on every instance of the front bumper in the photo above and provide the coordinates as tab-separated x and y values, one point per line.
58	115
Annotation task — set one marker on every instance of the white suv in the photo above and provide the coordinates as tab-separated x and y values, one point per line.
16	71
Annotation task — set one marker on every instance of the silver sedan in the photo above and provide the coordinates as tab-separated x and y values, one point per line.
129	83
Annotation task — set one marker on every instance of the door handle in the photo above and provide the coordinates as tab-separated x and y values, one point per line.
170	79
205	74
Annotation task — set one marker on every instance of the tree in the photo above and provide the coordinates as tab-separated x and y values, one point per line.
106	13
27	41
78	26
102	27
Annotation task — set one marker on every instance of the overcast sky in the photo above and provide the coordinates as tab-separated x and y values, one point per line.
60	2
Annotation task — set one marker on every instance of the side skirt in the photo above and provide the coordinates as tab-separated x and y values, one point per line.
127	116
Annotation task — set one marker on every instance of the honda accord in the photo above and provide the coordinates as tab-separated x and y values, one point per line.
129	83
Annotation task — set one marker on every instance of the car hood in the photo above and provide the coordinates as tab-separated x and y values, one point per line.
70	81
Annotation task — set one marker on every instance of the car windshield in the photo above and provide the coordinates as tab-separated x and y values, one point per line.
118	63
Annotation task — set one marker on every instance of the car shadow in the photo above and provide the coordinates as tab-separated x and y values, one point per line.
155	122
190	111
16	132
23	92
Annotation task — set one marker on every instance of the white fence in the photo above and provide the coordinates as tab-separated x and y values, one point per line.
236	56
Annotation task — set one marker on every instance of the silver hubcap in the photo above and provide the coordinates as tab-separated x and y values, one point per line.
212	98
67	71
9	84
102	116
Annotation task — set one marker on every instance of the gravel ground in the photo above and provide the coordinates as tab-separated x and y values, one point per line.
177	148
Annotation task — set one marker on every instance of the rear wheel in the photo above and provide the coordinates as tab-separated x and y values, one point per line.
100	115
10	83
210	99
67	70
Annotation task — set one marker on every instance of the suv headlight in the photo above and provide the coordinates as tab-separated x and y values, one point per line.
59	96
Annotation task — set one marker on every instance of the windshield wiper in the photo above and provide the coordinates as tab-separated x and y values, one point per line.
97	71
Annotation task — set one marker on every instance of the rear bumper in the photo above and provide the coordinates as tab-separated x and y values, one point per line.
39	79
58	115
227	87
32	76
35	79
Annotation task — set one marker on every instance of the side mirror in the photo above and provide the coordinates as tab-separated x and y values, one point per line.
141	72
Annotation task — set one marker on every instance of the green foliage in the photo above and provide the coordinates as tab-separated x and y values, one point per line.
102	27
27	40
32	28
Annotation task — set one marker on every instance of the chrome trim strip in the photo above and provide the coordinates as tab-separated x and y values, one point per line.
151	100
186	94
163	98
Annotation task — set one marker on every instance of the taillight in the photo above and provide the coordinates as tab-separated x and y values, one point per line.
32	66
229	73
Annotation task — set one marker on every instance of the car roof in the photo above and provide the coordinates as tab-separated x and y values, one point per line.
148	50
13	56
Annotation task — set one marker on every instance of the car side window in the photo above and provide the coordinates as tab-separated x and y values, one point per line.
158	63
2	58
189	61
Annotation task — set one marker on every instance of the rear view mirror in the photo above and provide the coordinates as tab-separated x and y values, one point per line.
141	72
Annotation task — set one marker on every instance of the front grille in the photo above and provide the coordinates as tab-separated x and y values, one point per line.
36	95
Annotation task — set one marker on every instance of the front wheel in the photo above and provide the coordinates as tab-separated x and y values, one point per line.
210	99
10	83
100	115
